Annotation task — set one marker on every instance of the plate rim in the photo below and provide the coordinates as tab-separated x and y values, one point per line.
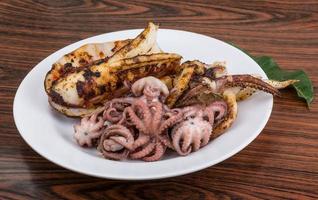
154	176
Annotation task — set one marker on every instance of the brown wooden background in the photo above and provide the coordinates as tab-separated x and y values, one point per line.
282	163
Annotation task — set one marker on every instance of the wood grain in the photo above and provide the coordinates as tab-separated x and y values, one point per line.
282	163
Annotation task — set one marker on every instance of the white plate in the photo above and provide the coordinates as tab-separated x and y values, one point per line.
51	134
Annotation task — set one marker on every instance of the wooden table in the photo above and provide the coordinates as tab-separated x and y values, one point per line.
281	163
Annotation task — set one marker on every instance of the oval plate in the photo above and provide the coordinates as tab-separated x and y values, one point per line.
51	134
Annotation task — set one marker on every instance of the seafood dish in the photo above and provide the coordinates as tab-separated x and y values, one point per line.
137	102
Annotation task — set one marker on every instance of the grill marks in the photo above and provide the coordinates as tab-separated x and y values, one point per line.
127	71
85	89
89	89
84	83
157	70
56	97
81	58
88	74
250	81
181	85
68	68
120	44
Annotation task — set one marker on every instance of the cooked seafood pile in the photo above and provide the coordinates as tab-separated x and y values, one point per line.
141	126
136	100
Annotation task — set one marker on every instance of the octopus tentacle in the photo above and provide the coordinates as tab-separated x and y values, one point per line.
125	120
112	115
218	107
141	108
143	152
244	93
230	99
177	134
196	141
85	119
209	113
93	117
97	130
219	85
190	93
136	120
206	137
115	156
164	139
141	140
116	142
98	124
186	142
158	153
251	81
118	132
173	119
114	109
157	110
281	84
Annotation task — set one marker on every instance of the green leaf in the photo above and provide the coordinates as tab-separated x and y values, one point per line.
304	87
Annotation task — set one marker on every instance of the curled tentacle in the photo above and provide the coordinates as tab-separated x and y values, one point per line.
114	109
215	111
116	142
165	140
112	115
141	141
159	150
150	148
176	138
190	94
230	99
173	117
144	151
196	141
138	113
